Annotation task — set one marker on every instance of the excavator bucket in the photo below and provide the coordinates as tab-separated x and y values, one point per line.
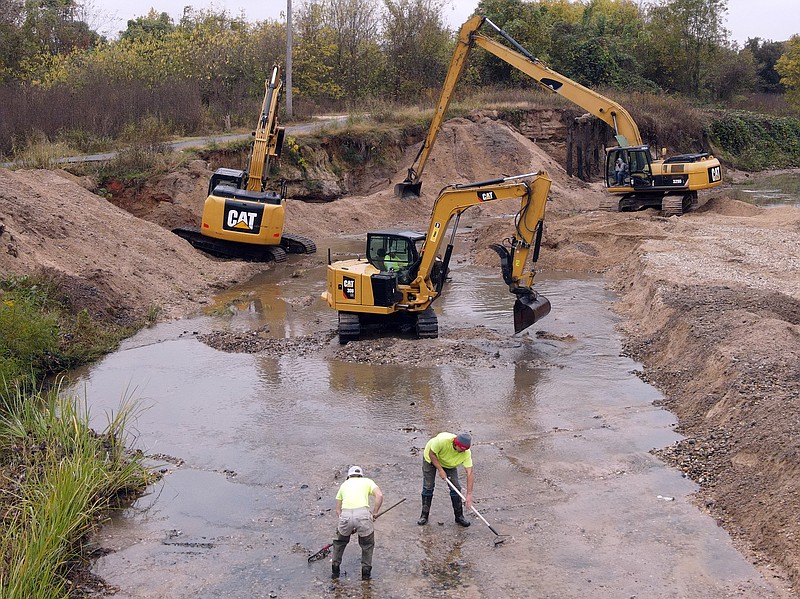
528	309
408	189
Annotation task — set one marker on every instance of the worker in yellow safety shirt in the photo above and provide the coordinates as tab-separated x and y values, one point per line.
443	454
355	516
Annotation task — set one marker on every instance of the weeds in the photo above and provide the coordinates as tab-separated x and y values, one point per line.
38	151
41	335
153	312
63	477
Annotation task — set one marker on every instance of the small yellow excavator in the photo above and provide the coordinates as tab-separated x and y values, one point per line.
637	180
241	218
402	274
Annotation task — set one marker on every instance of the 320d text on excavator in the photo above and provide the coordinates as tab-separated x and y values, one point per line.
403	272
242	218
669	184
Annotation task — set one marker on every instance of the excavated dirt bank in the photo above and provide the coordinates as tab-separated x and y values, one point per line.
711	300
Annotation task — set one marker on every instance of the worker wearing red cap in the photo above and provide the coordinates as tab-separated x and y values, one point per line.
443	454
355	516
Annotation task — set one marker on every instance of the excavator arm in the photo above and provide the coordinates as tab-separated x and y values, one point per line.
268	136
518	273
625	129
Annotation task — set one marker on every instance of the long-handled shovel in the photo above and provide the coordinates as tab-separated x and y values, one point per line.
327	549
388	508
500	538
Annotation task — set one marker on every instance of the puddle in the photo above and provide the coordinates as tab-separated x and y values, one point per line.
777	190
255	447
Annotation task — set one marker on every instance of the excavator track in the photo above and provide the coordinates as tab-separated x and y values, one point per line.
675	205
229	249
427	325
610	204
349	327
297	244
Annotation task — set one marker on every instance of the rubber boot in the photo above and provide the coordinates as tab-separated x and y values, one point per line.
458	510
426	509
339	545
367	546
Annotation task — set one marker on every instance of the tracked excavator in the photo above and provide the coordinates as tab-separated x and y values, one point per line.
242	219
669	184
403	273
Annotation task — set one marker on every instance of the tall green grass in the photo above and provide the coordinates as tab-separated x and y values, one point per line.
60	479
41	333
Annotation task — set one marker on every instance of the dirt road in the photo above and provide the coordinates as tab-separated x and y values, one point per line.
710	299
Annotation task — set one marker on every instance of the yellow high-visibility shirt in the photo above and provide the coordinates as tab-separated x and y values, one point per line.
355	492
442	446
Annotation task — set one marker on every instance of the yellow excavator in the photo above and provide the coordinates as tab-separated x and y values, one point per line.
241	218
403	273
636	180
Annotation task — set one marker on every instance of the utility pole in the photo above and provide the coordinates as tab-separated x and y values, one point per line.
288	59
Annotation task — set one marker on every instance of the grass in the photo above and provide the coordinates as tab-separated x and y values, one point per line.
42	333
60	479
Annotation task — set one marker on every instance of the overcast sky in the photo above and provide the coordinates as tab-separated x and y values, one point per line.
775	20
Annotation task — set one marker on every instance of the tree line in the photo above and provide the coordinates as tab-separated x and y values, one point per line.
57	74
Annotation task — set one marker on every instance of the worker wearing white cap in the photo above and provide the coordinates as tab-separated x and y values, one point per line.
355	516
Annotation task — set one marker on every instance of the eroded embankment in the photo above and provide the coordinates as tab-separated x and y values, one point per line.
726	355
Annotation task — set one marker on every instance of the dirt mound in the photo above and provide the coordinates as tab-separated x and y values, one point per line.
114	261
728	207
466	151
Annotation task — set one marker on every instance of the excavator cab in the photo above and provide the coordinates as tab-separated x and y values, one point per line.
395	252
630	167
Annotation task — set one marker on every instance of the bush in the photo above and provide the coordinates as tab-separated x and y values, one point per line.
753	141
41	335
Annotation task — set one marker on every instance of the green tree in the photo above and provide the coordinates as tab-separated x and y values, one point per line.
12	39
765	54
735	73
56	27
152	25
416	44
314	55
685	38
357	55
788	66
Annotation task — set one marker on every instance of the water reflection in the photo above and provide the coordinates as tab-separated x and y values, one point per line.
777	190
262	441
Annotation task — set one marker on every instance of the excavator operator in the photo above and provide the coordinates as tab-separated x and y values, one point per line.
391	261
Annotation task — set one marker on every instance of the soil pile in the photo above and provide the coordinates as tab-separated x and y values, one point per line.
711	299
117	265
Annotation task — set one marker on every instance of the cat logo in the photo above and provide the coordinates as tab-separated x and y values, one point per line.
715	174
348	288
485	196
242	217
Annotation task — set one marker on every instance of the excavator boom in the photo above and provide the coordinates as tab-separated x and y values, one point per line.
267	133
613	114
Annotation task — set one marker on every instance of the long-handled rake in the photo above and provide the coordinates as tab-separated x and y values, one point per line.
327	549
500	538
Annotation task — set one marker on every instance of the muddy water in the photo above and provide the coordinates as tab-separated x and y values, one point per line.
776	190
254	447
